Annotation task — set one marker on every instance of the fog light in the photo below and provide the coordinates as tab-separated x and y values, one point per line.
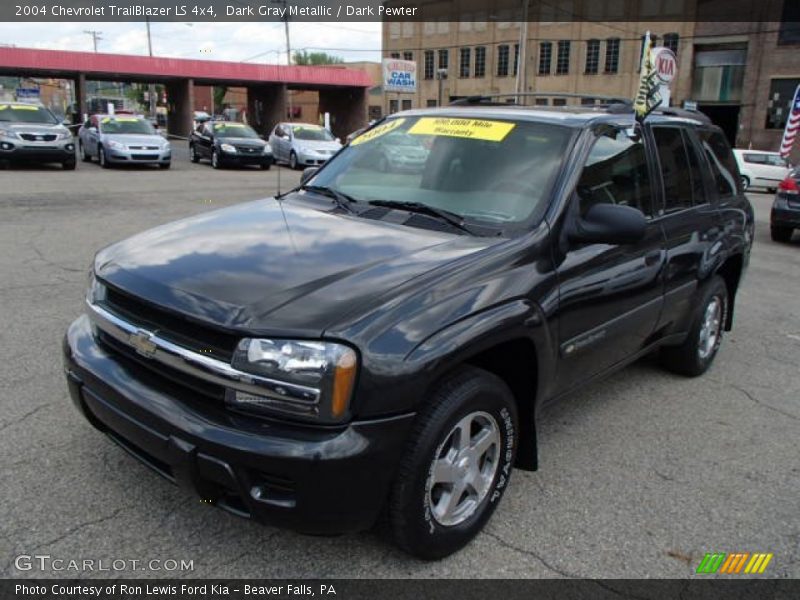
6	146
70	147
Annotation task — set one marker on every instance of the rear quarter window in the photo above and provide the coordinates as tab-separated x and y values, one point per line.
722	161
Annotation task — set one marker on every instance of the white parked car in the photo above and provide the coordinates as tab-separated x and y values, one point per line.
761	169
303	144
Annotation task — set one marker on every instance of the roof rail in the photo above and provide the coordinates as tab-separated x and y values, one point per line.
611	103
674	111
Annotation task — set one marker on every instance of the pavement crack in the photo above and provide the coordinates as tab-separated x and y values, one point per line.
521	550
755	400
19	420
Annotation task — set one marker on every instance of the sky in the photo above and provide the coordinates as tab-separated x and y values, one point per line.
251	42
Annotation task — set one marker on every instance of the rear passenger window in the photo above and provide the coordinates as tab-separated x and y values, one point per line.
723	163
696	171
616	173
674	168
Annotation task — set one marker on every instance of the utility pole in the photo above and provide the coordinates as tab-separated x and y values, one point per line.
151	91
95	37
441	75
522	72
285	20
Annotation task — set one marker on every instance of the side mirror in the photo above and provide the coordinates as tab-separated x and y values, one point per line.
610	224
92	129
308	173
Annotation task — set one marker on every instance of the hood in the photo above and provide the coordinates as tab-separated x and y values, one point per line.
282	267
35	128
248	142
135	139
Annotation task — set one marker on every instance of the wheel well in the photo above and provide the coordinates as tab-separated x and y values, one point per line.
731	272
515	363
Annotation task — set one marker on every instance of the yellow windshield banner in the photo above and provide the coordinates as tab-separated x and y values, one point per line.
21	107
378	131
475	129
228	125
127	120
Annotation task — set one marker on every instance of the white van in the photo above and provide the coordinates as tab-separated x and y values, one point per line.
761	169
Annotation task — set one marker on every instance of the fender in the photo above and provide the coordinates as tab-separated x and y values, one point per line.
464	340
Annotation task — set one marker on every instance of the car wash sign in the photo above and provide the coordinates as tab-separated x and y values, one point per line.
399	75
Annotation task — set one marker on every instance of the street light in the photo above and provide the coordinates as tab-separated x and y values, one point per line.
441	75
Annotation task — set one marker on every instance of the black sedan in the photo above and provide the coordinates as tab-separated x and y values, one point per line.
785	215
228	143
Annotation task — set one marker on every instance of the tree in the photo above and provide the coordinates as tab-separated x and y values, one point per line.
306	58
219	97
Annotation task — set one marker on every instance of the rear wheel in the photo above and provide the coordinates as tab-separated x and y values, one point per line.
695	355
101	158
82	152
456	465
780	234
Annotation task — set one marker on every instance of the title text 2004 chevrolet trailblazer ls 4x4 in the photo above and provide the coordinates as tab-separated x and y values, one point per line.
383	338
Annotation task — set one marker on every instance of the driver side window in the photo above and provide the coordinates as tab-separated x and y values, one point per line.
616	173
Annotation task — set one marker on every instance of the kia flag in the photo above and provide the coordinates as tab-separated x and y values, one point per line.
792	125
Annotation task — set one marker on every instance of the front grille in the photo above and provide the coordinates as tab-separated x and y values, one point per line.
247	150
144	156
142	147
172	326
34	137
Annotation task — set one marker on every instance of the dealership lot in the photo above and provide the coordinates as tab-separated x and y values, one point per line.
640	475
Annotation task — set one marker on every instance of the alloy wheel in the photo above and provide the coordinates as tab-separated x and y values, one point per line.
464	468
710	328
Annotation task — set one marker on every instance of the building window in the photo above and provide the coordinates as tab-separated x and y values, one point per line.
541	102
406	104
559	101
562	62
516	59
428	64
393	106
394	55
671	42
430	103
612	55
443	59
464	63
592	56
781	94
408	29
789	29
408	55
545	57
480	61
502	61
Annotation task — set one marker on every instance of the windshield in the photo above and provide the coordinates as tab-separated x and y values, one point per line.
492	171
234	130
312	133
123	125
26	113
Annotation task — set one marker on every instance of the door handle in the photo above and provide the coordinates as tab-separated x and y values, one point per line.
652	258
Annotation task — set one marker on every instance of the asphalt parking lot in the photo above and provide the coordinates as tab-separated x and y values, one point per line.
640	475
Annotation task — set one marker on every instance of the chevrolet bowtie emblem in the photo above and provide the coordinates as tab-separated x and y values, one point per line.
143	344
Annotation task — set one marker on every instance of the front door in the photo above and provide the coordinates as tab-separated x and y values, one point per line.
610	296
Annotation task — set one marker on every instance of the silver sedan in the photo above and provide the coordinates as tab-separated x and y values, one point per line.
122	139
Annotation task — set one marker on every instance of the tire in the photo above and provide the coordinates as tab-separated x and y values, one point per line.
423	521
293	164
695	355
69	165
82	152
780	234
193	154
101	158
745	182
215	159
164	166
266	166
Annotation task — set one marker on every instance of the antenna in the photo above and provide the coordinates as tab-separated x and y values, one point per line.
279	179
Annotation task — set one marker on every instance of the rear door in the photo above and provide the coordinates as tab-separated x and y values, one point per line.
610	296
690	218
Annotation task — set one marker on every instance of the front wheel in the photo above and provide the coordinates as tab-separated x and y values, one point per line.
165	166
456	466
780	234
83	154
745	182
69	165
215	159
293	160
695	355
101	158
193	154
265	166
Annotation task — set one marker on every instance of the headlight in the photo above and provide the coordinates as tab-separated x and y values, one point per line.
318	378
267	149
166	147
116	145
64	135
7	133
95	291
228	148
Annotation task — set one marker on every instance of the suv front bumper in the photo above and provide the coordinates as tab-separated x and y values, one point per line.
14	149
314	480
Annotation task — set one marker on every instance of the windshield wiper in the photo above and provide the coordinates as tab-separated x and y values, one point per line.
341	199
448	217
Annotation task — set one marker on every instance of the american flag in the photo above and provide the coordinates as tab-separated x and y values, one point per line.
792	125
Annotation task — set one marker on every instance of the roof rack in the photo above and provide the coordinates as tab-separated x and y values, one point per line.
685	113
613	104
